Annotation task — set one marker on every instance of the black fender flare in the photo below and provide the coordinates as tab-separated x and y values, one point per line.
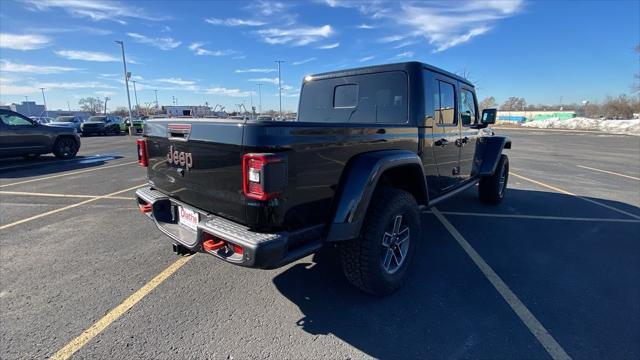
488	153
357	184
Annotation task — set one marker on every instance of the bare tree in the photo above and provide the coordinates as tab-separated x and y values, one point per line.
514	104
91	105
488	103
120	111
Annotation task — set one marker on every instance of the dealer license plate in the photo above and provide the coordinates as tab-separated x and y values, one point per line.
188	218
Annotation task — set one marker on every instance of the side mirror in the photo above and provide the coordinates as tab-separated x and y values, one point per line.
489	116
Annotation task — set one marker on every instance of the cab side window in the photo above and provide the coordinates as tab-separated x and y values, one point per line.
467	108
14	120
445	104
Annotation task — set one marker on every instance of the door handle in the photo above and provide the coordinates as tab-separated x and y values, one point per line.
442	142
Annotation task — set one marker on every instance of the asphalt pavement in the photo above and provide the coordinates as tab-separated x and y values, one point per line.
551	272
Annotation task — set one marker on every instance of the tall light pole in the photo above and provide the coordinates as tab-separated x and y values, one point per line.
156	91
135	94
126	77
44	100
260	96
280	86
68	106
106	98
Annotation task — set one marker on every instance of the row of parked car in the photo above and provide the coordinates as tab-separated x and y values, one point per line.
29	138
94	125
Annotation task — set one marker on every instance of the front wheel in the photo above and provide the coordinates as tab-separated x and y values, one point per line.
65	148
493	188
378	261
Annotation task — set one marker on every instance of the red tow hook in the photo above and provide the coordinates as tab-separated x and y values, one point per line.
211	245
146	208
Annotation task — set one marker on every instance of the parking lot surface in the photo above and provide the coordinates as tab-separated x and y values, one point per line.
552	272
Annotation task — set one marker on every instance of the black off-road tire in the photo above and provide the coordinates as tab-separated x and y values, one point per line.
65	148
492	189
362	258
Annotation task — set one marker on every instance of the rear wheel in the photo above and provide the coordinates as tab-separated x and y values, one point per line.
378	261
493	188
65	148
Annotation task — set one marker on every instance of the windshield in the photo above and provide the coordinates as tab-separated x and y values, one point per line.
65	119
98	118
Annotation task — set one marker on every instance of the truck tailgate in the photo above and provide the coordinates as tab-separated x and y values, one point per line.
198	162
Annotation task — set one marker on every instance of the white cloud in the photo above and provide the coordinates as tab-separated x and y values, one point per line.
104	93
163	43
8	87
8	66
406	54
366	58
75	85
295	36
256	70
23	42
273	81
228	92
329	46
391	38
405	44
448	26
95	9
304	61
176	81
366	26
86	55
198	49
234	22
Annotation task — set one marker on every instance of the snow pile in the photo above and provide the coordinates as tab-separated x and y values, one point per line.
629	127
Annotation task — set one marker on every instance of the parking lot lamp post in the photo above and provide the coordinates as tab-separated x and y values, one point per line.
260	96
135	95
280	86
44	100
126	79
156	91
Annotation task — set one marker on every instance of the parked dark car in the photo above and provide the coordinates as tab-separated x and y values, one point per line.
371	148
71	121
21	136
101	125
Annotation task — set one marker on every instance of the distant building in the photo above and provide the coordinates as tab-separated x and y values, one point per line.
524	116
186	110
82	114
28	108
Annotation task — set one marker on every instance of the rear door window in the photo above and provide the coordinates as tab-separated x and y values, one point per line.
368	98
445	104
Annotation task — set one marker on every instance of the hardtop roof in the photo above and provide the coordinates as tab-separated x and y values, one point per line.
409	66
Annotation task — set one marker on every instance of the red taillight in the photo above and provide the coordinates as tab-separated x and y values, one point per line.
143	159
263	176
146	208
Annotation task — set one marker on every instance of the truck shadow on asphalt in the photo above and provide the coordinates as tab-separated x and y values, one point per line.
448	309
16	168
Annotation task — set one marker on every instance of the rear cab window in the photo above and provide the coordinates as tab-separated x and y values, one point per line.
368	98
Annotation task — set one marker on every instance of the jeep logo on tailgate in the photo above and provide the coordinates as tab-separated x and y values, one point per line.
181	158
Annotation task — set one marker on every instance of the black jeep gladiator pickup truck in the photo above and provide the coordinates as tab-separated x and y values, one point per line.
371	147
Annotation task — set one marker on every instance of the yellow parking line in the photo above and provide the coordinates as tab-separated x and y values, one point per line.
67	207
554	349
608	172
578	196
25	193
76	344
67	174
536	217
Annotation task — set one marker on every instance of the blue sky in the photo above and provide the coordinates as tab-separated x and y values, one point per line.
216	52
